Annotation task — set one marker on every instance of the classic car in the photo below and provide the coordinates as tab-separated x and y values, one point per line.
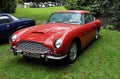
63	37
9	24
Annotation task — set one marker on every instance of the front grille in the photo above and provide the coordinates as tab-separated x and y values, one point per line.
33	47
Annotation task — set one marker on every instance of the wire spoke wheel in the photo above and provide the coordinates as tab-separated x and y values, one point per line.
73	52
97	34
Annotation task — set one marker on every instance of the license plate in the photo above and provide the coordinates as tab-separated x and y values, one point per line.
29	54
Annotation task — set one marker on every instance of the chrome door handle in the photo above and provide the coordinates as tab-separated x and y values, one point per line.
8	25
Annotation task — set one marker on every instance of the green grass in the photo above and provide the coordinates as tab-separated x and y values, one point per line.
100	60
38	14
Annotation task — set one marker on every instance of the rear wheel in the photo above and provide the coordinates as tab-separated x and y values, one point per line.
97	34
73	52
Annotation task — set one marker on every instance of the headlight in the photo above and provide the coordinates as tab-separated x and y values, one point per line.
58	43
13	38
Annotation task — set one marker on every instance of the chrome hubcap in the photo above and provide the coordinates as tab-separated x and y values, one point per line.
73	52
97	34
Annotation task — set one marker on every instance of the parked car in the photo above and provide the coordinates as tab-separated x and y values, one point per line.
62	37
9	24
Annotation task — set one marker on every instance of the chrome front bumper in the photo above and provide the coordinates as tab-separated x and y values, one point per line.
45	55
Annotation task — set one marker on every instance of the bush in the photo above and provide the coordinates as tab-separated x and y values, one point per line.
71	4
92	6
98	8
8	6
114	10
20	1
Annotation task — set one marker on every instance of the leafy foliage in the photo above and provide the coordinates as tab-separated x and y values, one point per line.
72	4
98	8
7	6
20	1
38	0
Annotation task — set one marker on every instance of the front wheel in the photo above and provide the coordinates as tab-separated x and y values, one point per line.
73	52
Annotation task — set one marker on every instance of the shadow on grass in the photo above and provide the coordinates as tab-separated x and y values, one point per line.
41	62
3	41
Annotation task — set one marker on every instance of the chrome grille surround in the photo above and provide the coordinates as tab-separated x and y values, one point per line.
32	47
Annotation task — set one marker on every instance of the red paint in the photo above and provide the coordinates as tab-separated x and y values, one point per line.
46	34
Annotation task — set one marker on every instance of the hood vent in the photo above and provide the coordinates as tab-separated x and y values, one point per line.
39	32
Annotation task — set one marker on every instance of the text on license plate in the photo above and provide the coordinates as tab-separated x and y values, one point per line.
29	54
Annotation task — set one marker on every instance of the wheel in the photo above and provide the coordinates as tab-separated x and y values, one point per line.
97	34
73	52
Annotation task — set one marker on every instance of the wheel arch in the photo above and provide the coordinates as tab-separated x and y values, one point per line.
76	39
98	29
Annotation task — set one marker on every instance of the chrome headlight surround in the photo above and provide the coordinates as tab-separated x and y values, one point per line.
13	38
58	43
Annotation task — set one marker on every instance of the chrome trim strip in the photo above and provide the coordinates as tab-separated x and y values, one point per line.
54	57
47	56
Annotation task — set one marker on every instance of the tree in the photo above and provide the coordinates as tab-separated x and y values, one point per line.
20	1
36	0
8	6
71	4
98	7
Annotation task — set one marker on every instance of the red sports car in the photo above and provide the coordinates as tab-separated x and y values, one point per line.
62	37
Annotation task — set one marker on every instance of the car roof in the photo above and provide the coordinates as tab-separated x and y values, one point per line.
4	14
73	11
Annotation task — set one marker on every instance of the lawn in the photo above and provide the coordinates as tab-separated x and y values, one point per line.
100	60
40	15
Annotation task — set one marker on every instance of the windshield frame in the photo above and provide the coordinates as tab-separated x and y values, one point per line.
14	18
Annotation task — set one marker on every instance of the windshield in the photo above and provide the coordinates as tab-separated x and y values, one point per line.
14	18
73	18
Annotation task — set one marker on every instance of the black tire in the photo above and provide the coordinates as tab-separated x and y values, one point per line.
73	52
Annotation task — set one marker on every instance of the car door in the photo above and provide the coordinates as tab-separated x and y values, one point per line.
22	23
6	26
88	32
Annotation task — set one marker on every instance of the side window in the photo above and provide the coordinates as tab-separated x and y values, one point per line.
4	19
92	17
88	18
